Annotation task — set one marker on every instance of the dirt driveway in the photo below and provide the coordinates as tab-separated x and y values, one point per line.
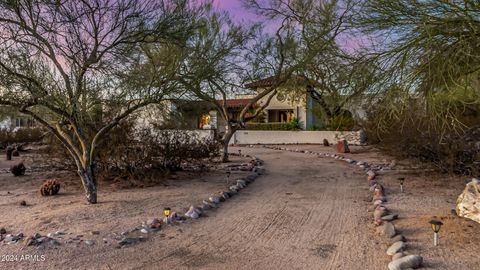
305	213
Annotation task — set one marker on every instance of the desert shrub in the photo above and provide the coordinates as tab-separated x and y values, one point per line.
135	153
20	135
18	169
441	130
293	125
50	187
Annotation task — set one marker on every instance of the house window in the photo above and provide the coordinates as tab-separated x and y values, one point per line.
19	122
280	116
204	120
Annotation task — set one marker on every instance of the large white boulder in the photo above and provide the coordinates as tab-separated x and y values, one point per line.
468	203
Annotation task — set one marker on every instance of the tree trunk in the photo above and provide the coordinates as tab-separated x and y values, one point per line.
226	139
89	183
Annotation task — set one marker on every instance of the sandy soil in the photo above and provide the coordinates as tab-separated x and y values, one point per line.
427	196
306	213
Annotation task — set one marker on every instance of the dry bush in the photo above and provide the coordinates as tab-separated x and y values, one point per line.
18	169
146	154
20	136
450	140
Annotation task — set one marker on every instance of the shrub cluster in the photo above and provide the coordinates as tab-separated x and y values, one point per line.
140	153
292	125
20	135
413	133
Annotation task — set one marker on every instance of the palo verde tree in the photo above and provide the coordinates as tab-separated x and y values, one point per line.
222	56
68	64
329	73
427	51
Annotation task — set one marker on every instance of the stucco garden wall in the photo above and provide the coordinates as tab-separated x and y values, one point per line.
293	137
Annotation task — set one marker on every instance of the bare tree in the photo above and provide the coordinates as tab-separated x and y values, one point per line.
68	64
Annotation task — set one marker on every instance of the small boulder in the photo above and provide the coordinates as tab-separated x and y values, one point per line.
259	170
241	182
397	238
224	195
468	203
153	223
390	217
379	212
386	229
214	199
395	248
90	242
325	142
397	255
409	261
192	213
209	204
131	240
342	146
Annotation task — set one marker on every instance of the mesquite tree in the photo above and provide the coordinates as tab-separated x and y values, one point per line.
69	65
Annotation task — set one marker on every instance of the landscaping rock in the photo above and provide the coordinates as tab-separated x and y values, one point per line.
259	170
224	195
153	223
90	242
379	212
386	229
325	142
377	203
395	248
131	240
234	189
390	217
397	255
241	182
13	238
409	261
209	204
192	213
342	146
468	203
397	238
214	199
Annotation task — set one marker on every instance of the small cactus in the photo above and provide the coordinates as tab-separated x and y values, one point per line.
18	170
50	187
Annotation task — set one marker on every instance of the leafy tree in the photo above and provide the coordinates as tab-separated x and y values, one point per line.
428	50
69	65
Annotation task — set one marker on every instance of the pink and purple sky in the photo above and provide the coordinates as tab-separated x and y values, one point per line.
241	14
